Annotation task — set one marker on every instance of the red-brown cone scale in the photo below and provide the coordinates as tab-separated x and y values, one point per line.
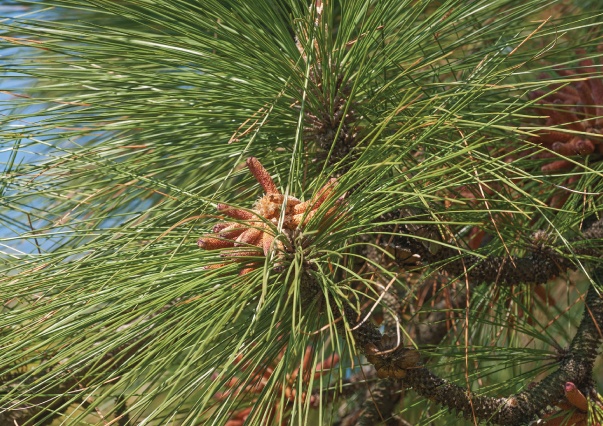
573	410
254	229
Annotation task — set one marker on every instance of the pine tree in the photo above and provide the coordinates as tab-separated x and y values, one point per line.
301	212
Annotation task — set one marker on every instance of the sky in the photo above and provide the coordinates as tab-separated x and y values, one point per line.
29	151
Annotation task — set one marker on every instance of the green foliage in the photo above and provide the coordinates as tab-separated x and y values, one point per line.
130	121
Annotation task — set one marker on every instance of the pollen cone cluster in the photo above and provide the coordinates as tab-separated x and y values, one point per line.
306	373
252	232
575	107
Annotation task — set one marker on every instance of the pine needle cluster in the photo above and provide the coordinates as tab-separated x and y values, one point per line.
301	212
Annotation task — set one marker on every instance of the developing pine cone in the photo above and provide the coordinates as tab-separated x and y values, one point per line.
253	233
390	358
333	130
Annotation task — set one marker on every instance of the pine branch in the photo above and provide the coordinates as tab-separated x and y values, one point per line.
542	262
385	395
379	407
576	366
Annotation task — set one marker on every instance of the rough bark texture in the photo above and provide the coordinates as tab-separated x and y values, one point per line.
379	407
542	262
519	409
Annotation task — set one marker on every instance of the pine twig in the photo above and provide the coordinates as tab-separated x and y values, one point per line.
542	263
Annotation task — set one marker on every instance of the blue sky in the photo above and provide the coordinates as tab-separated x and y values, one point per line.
11	222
